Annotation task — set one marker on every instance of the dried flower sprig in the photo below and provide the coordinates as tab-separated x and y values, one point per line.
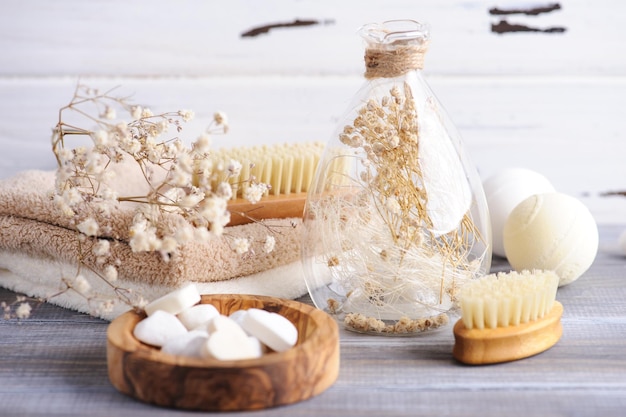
183	198
178	179
19	309
389	257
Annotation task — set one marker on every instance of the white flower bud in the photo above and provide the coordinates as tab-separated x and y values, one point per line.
88	227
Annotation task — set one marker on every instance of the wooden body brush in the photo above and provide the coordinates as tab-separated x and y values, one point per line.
288	169
508	316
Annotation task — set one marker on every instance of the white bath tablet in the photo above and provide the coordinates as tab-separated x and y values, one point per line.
258	347
272	329
551	232
224	323
229	343
175	301
197	315
506	189
158	328
237	316
190	344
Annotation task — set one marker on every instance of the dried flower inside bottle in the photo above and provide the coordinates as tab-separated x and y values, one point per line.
396	220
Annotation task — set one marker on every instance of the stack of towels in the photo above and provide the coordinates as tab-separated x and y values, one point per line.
39	246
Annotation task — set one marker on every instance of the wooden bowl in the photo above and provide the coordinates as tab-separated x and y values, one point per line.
307	369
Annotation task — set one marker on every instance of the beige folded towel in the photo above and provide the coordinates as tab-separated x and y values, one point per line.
33	227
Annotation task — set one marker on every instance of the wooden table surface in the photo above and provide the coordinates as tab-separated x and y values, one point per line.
55	364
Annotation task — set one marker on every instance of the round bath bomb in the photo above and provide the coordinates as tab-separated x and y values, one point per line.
553	232
506	189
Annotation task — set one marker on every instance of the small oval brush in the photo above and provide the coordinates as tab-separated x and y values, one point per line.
507	316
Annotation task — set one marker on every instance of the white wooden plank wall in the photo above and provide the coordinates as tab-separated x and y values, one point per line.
551	102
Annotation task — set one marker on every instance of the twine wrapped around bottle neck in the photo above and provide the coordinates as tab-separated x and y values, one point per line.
388	63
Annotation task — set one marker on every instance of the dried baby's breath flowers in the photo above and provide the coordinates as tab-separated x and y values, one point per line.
404	325
183	197
332	305
23	310
269	244
397	269
18	309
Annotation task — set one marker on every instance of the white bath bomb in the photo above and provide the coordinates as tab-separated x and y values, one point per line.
506	189
553	232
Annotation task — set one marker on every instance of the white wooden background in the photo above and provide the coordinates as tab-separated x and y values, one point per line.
550	102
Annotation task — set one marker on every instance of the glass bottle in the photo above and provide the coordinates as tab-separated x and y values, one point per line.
396	219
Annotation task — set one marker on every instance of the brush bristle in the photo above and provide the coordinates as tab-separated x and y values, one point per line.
287	168
508	299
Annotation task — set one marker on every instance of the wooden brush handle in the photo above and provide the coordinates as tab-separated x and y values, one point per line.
270	207
503	344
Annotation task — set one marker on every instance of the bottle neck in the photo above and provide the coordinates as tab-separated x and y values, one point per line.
383	61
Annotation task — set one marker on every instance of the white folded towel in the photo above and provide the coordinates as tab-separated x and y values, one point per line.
39	278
